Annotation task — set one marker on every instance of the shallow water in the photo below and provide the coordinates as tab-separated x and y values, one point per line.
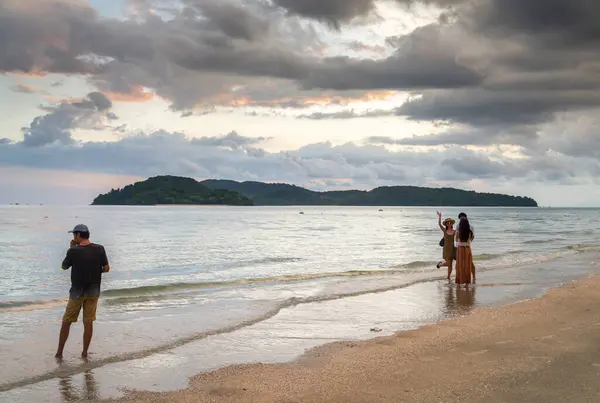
192	289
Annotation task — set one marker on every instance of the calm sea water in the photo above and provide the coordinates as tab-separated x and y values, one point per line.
182	276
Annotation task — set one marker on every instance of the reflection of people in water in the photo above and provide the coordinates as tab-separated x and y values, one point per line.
70	394
459	300
465	298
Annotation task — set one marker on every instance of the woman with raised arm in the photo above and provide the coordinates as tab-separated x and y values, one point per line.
447	228
464	257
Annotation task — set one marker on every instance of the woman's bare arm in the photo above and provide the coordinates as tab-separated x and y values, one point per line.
439	214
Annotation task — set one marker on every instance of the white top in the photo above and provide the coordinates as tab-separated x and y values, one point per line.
457	244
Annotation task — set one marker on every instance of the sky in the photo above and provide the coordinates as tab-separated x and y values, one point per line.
488	95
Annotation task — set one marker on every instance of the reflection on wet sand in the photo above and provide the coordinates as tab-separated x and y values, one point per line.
459	300
70	393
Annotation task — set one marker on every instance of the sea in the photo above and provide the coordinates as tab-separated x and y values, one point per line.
196	288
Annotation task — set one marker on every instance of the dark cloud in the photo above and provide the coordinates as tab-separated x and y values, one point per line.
236	157
55	127
333	12
527	137
497	70
231	140
536	59
381	140
233	21
95	100
555	22
423	59
337	12
483	107
574	134
201	41
35	38
209	47
51	128
475	166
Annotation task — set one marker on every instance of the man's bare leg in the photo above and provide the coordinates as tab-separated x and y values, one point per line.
88	331
62	338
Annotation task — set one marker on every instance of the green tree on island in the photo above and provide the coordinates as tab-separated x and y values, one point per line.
180	190
170	190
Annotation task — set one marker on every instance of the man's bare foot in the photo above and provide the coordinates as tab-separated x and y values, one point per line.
84	354
58	355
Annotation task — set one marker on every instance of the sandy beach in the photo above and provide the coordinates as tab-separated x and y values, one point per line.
542	350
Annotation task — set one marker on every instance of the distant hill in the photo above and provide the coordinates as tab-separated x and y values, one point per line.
271	194
179	190
171	190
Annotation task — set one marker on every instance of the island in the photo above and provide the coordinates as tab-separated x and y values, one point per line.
179	190
276	194
167	189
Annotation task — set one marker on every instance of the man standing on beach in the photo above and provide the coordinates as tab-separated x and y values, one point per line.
87	262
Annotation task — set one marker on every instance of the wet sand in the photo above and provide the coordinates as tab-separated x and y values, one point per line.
543	350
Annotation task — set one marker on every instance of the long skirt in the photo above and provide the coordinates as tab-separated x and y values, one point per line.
464	263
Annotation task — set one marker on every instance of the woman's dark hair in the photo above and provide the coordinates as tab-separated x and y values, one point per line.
464	230
84	235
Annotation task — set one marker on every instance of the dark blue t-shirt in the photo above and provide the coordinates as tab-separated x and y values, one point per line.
86	263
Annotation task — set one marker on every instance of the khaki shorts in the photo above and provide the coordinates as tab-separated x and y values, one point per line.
74	306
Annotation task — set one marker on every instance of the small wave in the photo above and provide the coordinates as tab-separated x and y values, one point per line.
414	265
30	305
487	256
541	241
276	260
584	247
69	371
324	229
287	278
491	256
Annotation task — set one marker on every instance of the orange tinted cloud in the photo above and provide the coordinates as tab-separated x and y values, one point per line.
137	94
53	99
229	99
26	88
36	72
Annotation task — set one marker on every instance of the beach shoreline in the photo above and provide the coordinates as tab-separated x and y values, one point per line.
493	354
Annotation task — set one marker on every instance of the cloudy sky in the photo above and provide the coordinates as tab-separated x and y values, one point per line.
489	95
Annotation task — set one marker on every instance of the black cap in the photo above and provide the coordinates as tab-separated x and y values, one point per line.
461	215
80	228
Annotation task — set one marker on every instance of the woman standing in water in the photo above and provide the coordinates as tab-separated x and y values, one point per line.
447	228
464	257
